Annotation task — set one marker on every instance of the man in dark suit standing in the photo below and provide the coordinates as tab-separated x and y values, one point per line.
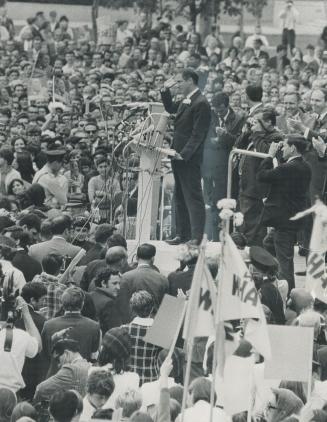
192	122
279	61
289	189
312	126
225	128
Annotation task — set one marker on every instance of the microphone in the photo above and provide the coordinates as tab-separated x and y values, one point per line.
132	112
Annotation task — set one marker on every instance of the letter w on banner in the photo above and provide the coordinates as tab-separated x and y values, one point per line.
316	280
240	299
199	318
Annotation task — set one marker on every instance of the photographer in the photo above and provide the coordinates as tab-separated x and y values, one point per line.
15	346
258	133
7	253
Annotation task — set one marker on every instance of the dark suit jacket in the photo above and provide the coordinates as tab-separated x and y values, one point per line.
249	185
105	308
141	278
27	265
272	62
288	194
215	155
192	123
95	252
318	166
180	280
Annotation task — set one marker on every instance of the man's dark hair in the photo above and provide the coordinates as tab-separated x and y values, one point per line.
146	251
34	289
100	382
31	221
7	155
52	263
254	93
298	141
142	303
190	74
65	344
103	275
103	233
116	240
220	98
64	405
269	115
60	224
280	47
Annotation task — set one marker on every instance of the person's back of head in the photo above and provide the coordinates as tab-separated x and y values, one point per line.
130	401
254	93
103	232
296	387
33	291
140	417
23	409
142	304
73	299
46	230
30	221
146	252
52	263
200	389
176	393
7	403
60	225
116	240
116	257
65	405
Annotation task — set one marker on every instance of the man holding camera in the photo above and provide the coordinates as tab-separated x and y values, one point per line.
258	133
289	186
15	346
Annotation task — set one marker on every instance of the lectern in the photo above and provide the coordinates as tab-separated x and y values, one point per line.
148	144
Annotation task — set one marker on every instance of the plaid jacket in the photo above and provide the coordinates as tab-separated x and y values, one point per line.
54	293
143	359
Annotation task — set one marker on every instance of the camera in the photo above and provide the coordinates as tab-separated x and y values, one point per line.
8	296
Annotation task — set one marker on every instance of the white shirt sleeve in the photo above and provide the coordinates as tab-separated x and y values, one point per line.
31	347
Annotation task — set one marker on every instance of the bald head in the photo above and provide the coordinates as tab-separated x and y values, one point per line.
116	258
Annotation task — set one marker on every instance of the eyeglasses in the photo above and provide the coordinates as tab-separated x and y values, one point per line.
91	132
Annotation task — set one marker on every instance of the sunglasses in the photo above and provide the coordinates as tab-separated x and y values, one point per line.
91	132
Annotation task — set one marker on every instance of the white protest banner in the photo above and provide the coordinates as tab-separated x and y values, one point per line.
237	384
316	279
291	353
199	319
107	31
240	299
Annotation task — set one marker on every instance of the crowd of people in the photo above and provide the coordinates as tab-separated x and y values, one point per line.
72	341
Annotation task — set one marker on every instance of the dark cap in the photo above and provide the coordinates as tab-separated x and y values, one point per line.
262	259
55	149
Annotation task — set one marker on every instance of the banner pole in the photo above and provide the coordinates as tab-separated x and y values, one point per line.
187	376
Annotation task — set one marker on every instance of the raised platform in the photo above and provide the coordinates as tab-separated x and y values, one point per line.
167	256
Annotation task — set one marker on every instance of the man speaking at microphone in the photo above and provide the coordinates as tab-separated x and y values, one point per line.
192	122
